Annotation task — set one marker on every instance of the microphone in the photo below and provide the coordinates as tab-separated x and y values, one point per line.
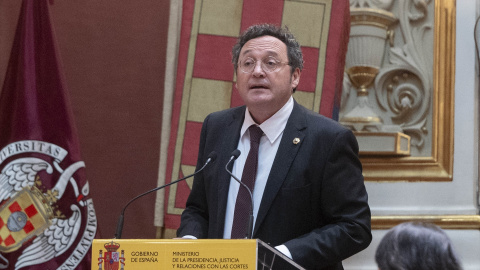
118	233
233	157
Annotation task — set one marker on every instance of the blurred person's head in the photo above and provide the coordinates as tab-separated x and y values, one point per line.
416	246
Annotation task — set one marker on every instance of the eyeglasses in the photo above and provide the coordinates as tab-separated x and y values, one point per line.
269	64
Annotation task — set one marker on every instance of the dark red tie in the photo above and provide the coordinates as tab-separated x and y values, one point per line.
244	202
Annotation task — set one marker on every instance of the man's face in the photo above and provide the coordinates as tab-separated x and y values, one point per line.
262	90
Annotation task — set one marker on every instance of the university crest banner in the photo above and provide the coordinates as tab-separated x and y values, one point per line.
204	78
47	220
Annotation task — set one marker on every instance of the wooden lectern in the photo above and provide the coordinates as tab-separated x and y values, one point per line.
144	254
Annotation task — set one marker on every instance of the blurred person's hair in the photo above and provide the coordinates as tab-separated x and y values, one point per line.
416	246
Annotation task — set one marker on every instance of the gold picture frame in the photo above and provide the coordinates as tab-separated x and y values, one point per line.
450	222
438	166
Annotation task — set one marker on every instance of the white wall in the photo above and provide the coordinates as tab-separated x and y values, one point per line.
458	197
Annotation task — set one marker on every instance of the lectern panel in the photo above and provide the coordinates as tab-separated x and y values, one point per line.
118	254
146	254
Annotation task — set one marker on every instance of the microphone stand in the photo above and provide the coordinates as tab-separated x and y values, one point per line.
118	233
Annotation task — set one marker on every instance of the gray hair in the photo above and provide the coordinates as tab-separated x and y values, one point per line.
416	246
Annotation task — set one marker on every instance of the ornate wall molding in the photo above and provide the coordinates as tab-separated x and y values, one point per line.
413	91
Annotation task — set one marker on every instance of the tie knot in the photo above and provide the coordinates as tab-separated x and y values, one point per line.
255	133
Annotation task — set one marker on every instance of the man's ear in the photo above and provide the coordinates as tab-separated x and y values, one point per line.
296	78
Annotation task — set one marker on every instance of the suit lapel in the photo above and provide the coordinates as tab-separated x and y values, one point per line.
284	158
229	142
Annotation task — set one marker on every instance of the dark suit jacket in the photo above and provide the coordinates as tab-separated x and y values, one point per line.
314	202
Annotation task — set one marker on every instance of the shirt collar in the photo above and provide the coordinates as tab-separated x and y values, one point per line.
273	126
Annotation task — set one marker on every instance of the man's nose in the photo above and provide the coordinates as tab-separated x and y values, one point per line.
258	70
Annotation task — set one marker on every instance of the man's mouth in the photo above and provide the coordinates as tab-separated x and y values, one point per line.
258	86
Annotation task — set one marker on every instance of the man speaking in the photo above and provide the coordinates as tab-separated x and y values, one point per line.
302	169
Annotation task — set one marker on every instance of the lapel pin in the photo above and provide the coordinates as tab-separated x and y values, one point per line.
296	140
